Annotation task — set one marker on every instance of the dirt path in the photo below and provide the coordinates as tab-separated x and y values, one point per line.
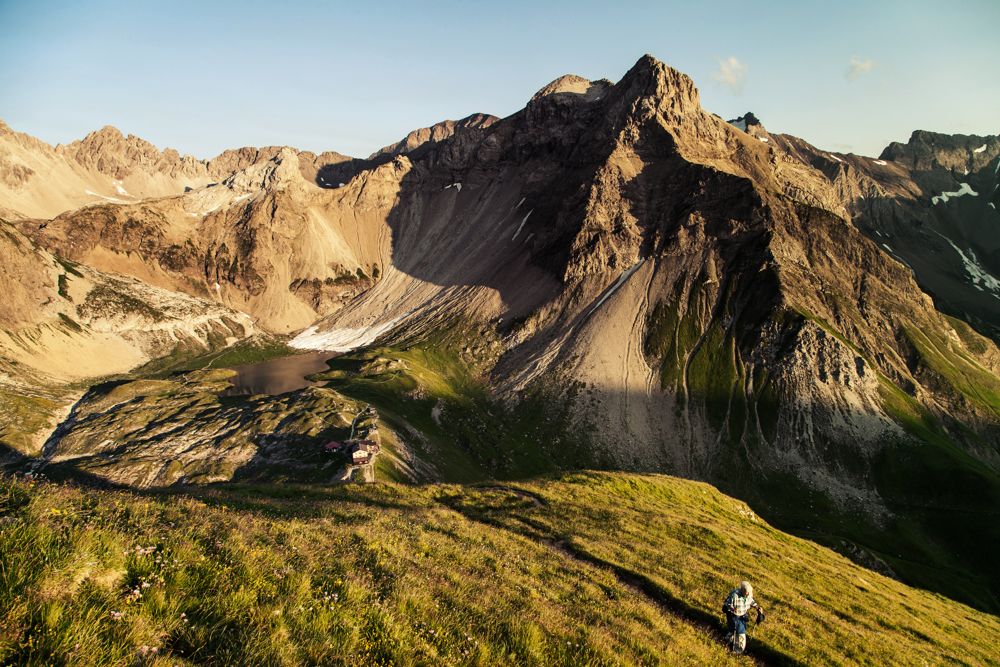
535	499
758	652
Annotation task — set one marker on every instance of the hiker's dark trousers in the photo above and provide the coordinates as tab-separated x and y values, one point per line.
737	626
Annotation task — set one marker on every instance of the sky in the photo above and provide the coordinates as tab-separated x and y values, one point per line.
201	77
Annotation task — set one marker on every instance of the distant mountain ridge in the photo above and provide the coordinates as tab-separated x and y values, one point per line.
434	134
40	181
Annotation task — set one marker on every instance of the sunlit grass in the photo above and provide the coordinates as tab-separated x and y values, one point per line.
442	574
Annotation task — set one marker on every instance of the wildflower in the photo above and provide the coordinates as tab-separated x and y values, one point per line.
116	616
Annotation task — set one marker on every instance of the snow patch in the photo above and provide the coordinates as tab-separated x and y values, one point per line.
886	246
457	186
341	340
520	202
618	283
114	199
880	162
764	139
120	189
521	226
963	190
990	204
981	279
834	157
981	149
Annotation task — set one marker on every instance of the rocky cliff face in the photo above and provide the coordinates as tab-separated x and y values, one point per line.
264	240
434	134
932	205
48	299
110	152
926	151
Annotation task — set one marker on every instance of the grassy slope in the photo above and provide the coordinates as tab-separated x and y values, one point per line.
598	568
249	351
23	415
473	437
26	414
945	502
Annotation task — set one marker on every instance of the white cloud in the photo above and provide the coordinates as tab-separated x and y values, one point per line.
858	67
732	73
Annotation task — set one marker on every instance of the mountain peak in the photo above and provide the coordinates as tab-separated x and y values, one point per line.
651	78
927	150
105	133
745	121
277	173
571	84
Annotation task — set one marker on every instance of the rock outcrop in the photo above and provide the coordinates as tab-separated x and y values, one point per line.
434	134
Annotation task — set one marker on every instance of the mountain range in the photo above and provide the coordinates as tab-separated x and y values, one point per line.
612	277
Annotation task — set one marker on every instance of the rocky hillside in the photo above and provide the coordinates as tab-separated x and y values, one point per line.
62	323
106	167
264	240
932	205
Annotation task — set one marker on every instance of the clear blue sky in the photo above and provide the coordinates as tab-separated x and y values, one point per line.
354	76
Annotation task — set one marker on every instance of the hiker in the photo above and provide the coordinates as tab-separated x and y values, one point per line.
737	609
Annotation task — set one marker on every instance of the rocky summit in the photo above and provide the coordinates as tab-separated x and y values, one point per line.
612	277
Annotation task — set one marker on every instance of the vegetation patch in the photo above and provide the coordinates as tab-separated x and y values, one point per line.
432	396
106	301
960	370
23	415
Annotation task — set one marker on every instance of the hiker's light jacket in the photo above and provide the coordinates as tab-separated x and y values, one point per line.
739	603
